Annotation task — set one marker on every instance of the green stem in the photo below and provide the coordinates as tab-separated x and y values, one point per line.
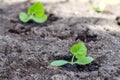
31	16
72	61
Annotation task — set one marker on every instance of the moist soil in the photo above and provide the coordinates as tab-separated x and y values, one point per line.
26	50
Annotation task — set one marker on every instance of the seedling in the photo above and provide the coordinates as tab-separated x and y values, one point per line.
79	52
100	8
35	12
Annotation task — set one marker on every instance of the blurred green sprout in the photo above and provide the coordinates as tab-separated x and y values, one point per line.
100	8
35	12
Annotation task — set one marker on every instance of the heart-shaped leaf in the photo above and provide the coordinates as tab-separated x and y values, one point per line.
59	63
84	60
79	50
36	9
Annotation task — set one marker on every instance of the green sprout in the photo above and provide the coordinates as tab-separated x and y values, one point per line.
100	8
79	52
35	12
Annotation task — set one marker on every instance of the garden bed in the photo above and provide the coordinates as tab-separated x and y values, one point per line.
26	50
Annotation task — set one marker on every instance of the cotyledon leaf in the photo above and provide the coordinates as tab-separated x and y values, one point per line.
24	17
59	63
84	60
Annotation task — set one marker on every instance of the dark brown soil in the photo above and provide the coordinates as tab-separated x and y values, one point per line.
26	50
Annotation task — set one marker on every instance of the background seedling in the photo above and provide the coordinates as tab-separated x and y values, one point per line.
35	12
103	3
79	52
100	8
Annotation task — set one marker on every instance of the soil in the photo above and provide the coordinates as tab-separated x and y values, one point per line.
26	50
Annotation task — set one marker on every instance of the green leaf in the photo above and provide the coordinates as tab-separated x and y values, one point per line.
41	19
59	63
84	60
36	9
24	17
79	50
